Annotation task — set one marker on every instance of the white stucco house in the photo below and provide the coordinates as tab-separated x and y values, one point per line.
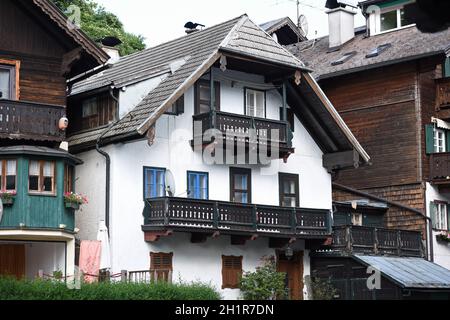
168	138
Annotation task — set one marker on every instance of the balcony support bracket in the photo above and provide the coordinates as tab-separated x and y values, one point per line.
151	236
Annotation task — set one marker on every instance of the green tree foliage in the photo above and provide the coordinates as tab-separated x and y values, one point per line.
98	23
265	283
322	289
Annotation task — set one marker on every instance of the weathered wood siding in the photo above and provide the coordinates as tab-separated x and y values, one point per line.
23	38
379	106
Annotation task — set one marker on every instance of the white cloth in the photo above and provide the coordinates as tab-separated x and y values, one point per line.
102	235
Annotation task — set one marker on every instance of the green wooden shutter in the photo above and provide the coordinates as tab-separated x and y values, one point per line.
433	212
447	140
448	217
429	136
447	67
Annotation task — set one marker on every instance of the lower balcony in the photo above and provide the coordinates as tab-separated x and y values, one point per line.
30	121
204	218
348	240
256	133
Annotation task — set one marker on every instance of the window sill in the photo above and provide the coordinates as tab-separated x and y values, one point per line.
392	30
42	194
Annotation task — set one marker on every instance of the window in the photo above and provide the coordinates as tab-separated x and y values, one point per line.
8	172
7	82
378	50
290	118
198	185
177	108
255	103
439	140
344	58
388	20
203	96
391	17
439	215
161	266
90	108
446	68
289	190
231	272
41	177
97	111
154	183
240	180
357	219
68	178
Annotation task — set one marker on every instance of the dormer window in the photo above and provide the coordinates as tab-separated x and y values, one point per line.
391	16
97	111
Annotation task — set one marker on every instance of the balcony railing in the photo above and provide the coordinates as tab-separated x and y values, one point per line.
440	167
30	121
442	93
191	215
238	128
377	241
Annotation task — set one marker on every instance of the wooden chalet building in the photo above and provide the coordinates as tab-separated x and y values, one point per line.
170	212
39	51
390	83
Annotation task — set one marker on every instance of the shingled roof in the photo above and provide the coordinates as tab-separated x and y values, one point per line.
405	45
183	61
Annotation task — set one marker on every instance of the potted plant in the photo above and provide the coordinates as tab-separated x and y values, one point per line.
74	200
443	237
7	197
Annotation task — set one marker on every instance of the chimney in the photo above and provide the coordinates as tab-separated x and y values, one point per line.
341	23
112	52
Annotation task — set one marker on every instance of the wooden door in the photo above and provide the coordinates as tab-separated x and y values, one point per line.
12	260
293	268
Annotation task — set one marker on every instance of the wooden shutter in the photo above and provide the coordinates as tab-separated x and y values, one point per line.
447	140
429	136
433	212
448	217
231	272
161	266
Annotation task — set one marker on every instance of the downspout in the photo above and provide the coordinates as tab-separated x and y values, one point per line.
398	205
108	163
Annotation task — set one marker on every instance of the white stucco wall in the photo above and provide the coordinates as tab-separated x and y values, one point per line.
441	250
172	150
48	257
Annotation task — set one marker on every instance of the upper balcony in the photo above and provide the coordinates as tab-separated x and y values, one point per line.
30	121
348	240
442	93
440	168
163	216
249	131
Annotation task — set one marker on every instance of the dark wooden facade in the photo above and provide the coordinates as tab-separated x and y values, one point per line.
387	109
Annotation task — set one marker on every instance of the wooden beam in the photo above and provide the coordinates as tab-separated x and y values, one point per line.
341	160
154	236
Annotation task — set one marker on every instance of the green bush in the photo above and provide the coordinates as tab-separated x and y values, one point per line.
265	283
11	289
322	289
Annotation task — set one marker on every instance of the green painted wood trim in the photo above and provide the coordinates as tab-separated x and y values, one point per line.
433	212
447	67
429	136
393	3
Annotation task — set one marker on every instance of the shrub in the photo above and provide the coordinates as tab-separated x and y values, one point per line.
12	289
265	283
322	289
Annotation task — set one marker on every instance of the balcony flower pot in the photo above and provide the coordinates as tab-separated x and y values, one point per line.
74	200
7	198
73	205
443	238
8	202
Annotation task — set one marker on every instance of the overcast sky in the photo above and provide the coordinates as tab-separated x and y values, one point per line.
163	20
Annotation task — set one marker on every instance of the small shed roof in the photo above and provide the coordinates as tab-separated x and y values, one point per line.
409	273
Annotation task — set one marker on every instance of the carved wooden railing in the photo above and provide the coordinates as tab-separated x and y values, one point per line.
378	241
149	276
193	215
30	121
239	128
442	93
440	166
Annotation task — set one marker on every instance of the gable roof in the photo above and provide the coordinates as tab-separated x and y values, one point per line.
75	33
409	273
405	45
291	31
198	52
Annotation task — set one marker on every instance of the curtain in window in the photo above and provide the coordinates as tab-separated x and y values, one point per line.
5	82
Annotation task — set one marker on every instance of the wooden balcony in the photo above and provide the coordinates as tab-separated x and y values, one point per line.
442	93
30	121
348	240
440	168
163	216
238	129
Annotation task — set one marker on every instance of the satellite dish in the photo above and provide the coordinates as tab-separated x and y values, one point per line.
170	184
303	25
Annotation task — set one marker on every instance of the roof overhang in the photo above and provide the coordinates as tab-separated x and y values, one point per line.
40	152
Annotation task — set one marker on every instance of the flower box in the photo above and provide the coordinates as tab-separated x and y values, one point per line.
72	205
443	238
8	202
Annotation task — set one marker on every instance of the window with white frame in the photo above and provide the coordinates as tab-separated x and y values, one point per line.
357	219
440	216
255	103
389	18
440	143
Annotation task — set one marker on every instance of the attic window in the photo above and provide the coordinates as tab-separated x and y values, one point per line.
344	58
379	50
